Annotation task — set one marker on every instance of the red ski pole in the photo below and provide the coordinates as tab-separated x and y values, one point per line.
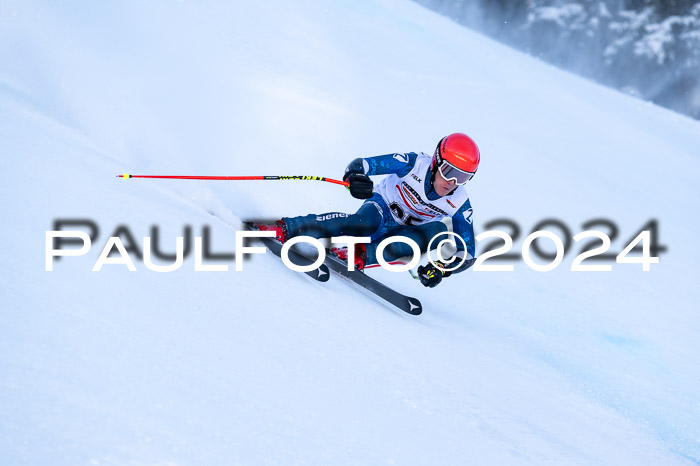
238	178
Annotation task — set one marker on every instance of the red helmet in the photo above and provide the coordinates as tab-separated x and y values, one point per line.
457	157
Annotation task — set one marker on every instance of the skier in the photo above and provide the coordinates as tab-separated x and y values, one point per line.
420	191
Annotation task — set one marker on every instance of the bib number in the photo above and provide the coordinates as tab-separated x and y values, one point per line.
406	219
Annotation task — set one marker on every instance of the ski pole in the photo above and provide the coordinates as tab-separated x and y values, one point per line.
238	178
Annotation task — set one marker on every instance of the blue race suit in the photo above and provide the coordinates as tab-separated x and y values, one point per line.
405	203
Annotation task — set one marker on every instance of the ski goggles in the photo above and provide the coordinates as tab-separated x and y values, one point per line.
449	172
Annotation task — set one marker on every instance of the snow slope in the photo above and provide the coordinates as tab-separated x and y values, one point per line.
266	366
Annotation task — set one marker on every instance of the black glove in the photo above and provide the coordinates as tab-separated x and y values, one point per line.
431	274
361	186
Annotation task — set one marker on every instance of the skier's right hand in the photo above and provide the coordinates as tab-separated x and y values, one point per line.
361	186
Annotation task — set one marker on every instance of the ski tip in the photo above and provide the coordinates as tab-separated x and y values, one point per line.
323	274
414	307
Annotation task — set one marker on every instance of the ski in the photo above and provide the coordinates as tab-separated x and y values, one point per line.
405	303
321	273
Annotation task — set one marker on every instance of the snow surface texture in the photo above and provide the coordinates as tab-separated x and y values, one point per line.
267	366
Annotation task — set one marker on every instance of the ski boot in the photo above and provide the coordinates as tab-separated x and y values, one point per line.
360	255
279	227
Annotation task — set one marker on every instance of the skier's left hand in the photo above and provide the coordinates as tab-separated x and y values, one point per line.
431	274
